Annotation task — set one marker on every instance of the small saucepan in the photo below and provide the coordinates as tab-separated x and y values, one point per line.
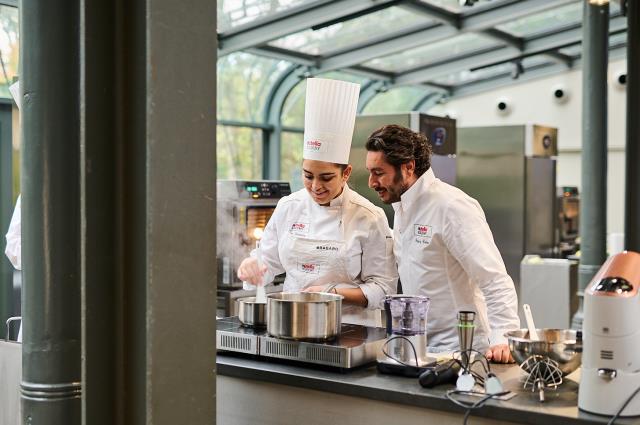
251	313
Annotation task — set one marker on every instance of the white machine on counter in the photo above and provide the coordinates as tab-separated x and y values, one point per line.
611	336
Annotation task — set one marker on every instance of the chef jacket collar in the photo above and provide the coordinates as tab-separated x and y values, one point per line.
411	195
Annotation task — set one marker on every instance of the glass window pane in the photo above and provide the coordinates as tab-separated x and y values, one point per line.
291	159
293	109
454	5
244	81
401	99
8	48
349	33
232	13
431	53
239	152
544	21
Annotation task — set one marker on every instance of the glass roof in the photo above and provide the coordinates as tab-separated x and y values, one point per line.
546	21
232	13
400	99
8	48
349	33
431	53
244	81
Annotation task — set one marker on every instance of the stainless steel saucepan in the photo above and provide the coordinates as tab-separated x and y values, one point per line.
252	313
304	315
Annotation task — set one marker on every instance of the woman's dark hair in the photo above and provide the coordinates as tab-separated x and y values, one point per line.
401	145
342	166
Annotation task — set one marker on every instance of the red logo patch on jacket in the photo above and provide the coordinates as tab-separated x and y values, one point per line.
311	268
422	230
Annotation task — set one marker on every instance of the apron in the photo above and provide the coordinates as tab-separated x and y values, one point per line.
310	262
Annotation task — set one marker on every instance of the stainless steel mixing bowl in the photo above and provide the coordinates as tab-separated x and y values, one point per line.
564	346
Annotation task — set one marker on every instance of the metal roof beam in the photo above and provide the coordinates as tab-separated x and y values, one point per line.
292	21
502	54
431	11
474	23
283	54
504	37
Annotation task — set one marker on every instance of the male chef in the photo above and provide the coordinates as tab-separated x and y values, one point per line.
443	245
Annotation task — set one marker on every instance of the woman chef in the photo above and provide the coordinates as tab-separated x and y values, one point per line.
326	234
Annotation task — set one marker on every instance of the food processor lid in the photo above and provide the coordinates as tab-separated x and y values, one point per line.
619	276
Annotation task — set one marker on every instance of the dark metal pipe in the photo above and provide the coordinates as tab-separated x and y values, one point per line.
632	182
51	389
593	199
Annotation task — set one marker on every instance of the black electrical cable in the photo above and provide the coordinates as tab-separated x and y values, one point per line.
415	354
626	403
471	406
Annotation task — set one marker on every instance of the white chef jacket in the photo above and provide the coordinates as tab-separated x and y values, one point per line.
363	227
13	250
445	251
14	240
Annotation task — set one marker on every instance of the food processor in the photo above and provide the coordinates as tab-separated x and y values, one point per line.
405	350
610	378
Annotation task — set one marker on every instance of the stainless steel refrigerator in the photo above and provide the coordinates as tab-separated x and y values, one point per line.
511	171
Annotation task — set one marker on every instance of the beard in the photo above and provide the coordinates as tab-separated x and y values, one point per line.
395	190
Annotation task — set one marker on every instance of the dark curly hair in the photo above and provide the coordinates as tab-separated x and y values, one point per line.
401	145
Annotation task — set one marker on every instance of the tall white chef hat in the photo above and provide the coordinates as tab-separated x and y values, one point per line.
329	118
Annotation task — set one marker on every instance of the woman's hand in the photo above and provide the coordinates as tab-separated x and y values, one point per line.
249	271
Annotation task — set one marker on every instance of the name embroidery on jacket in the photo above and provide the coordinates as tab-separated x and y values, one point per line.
327	248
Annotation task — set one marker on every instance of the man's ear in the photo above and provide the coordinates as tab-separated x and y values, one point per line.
409	168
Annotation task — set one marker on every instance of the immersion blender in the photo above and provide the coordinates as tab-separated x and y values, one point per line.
465	336
466	327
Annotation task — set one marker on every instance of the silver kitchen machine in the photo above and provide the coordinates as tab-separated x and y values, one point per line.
405	350
610	380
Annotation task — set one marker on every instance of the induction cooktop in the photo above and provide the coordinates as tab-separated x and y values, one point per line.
354	346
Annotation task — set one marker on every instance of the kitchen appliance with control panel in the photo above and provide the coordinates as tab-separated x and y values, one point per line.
243	209
568	216
611	335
